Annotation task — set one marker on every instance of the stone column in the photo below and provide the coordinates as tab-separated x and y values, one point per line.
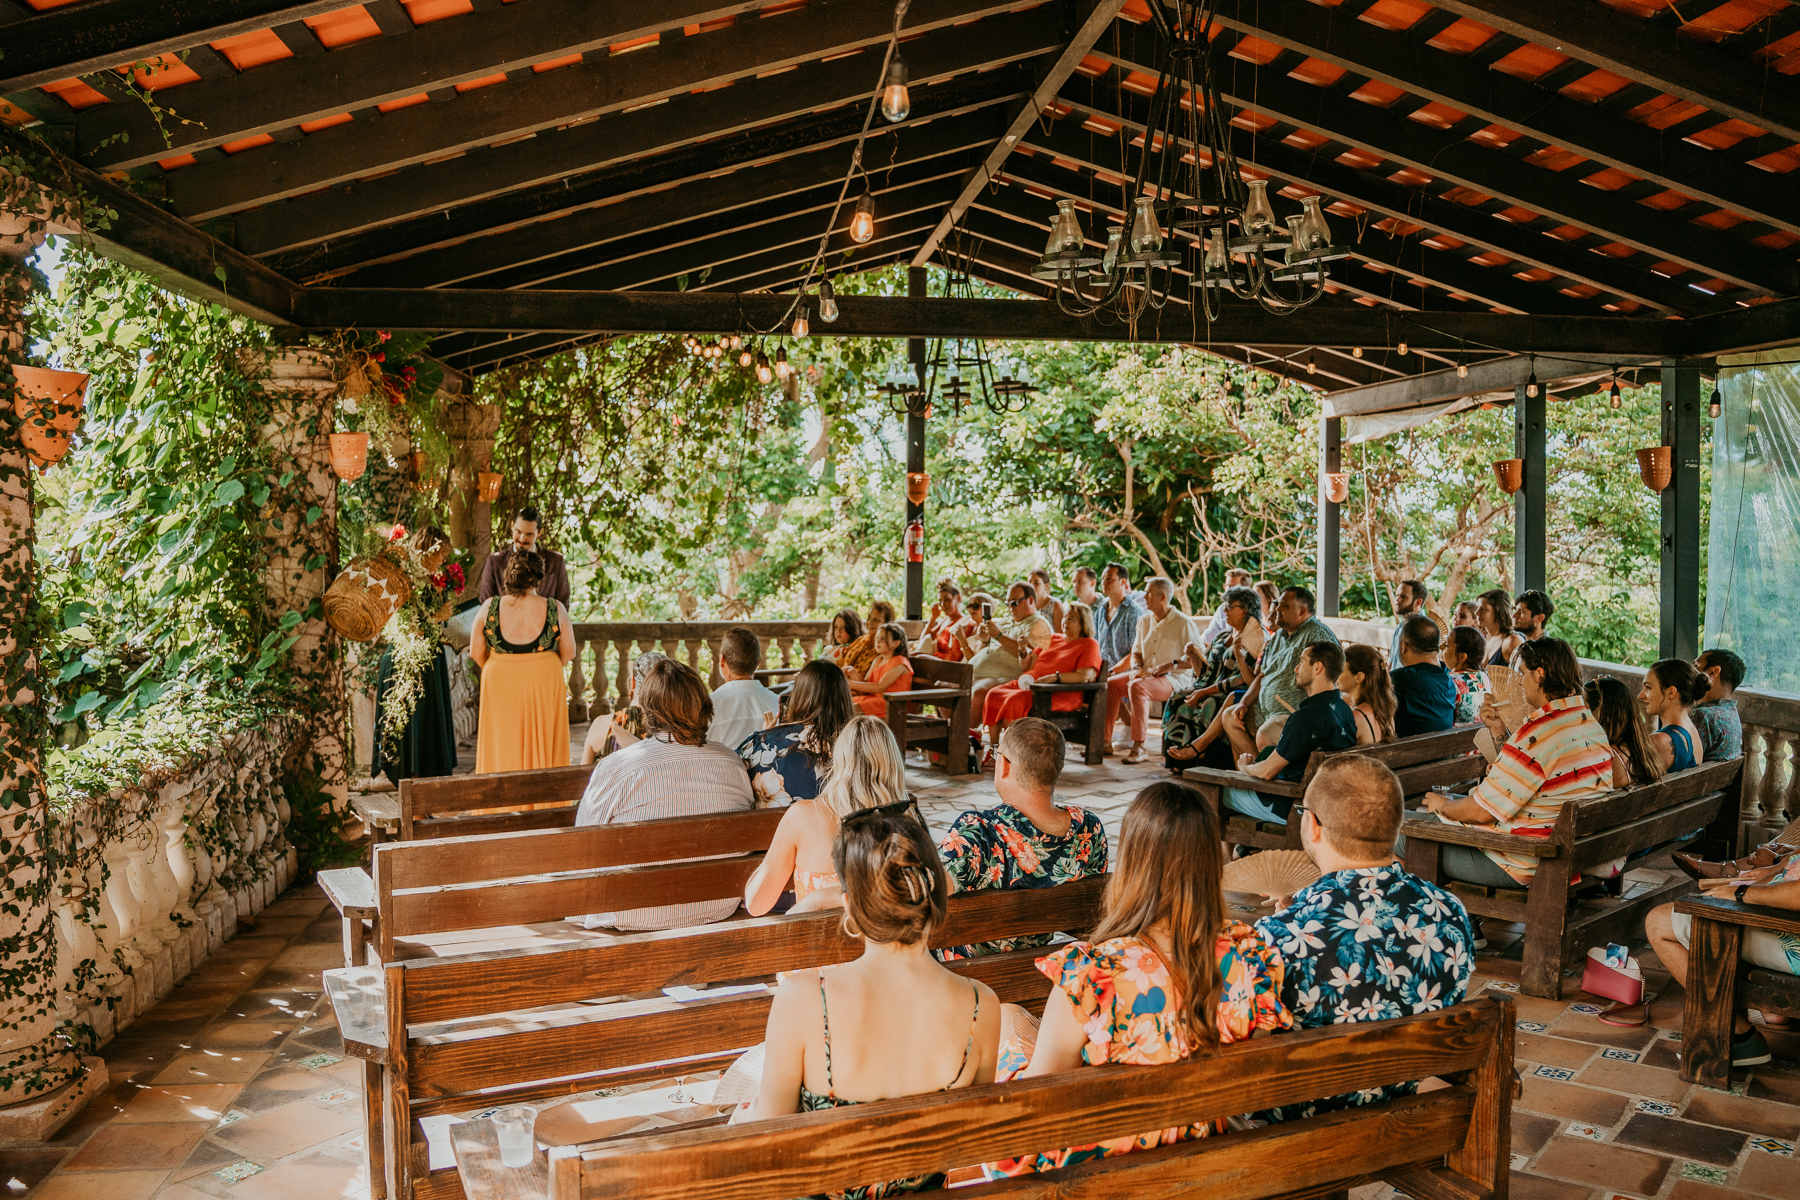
43	1082
471	428
301	385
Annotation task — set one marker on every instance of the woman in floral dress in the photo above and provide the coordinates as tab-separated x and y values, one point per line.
1463	656
1143	991
789	762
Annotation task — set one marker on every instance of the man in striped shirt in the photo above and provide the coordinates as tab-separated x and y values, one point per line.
1559	754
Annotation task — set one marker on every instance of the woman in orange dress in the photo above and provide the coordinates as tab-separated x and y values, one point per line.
522	641
890	670
1073	656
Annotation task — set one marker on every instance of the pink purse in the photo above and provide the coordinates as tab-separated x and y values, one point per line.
1625	985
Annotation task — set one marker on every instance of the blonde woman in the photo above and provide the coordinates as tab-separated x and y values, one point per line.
867	771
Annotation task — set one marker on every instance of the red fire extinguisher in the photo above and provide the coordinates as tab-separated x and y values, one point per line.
915	541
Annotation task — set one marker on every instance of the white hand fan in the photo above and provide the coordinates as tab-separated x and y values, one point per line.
1508	693
1271	873
739	1083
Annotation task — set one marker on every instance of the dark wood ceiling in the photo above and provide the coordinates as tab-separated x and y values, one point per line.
1553	158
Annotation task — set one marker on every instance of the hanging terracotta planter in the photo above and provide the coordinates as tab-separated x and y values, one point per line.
1337	487
349	455
488	485
1510	472
49	405
918	486
416	466
1656	466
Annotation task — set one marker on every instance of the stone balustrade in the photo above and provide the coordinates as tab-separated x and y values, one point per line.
600	676
155	877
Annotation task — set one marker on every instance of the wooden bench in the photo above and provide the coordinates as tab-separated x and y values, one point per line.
1587	834
1719	982
511	1026
1084	726
952	684
468	805
1453	1143
1422	762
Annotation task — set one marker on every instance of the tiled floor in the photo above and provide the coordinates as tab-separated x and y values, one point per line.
233	1087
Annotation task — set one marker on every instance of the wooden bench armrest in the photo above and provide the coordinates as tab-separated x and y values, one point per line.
350	891
1284	788
1428	828
944	693
362	1028
378	808
1753	916
1092	685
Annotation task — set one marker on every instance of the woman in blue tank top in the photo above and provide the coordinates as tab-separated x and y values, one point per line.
1671	687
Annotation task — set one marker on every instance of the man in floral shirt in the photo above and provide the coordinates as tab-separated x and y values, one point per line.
1367	942
1027	840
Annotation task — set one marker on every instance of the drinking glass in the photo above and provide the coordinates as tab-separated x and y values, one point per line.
515	1127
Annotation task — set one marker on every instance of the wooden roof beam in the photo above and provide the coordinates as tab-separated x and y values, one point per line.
1488	375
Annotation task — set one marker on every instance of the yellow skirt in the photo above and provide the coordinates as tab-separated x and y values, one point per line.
524	714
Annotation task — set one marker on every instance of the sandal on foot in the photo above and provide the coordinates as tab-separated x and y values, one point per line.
1138	754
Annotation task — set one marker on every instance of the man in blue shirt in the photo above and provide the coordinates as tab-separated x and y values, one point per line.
1409	602
1424	693
1116	620
1322	721
1368	941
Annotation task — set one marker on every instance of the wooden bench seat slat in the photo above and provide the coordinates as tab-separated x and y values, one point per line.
1428	828
1750	916
1445	774
437	828
501	981
440	911
813	1152
551	1089
1285	788
445	862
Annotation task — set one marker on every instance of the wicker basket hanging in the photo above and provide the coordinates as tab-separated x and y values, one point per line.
364	595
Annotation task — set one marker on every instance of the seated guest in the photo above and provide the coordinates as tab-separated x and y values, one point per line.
846	631
1047	604
889	671
867	771
1271	605
1027	840
615	731
1464	655
1073	656
1558	754
938	640
1165	974
1423	689
857	656
1408	603
1087	586
1494	617
1716	717
1467	614
1159	661
1671	687
1531	615
1321	722
1276	691
1116	619
1226	671
892	1022
999	642
1235	577
1368	690
673	772
741	705
1670	933
1635	759
1367	941
791	761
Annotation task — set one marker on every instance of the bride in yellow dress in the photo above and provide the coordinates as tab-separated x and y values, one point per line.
522	641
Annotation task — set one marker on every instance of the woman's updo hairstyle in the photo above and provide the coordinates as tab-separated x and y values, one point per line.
1680	674
524	571
895	889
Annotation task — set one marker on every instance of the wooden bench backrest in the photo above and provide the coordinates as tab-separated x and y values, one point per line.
1457	1136
534	1055
1636	818
471	883
426	804
938	672
1406	752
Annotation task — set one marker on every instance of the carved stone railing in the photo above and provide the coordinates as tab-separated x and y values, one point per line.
158	873
1771	796
600	676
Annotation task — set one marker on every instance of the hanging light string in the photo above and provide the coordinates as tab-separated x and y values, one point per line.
856	168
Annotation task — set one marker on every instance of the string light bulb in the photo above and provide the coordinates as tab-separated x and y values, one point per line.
862	222
1618	399
1717	405
781	362
1531	385
1403	348
1356	353
828	305
744	359
1462	370
737	342
896	101
802	326
763	371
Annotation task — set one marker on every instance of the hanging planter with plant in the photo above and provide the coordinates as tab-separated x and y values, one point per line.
1656	466
349	455
48	404
1510	474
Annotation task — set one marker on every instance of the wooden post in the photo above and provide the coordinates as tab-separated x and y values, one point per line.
1680	634
915	455
1713	948
1529	438
1331	460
